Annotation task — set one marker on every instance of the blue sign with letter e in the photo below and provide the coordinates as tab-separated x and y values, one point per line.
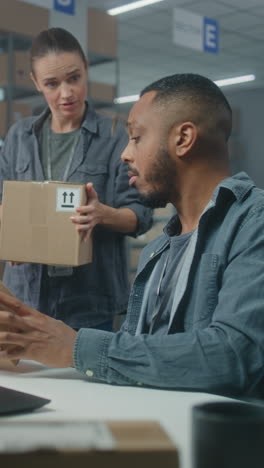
210	35
65	6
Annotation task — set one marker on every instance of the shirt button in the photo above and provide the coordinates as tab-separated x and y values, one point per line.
151	255
89	373
139	383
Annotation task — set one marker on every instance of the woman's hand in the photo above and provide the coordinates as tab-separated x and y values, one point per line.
32	335
89	215
123	220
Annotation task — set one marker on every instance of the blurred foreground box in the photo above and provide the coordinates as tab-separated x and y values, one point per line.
116	444
36	225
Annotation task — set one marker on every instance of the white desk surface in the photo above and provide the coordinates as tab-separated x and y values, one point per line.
75	397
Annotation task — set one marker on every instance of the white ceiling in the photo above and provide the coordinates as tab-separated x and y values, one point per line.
146	51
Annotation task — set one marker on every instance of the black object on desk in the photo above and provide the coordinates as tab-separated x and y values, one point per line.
228	434
13	401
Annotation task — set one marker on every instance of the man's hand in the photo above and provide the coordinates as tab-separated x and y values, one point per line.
32	335
89	215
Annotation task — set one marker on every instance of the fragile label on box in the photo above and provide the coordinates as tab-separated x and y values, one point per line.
67	199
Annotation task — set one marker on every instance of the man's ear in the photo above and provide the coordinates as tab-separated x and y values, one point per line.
182	138
34	81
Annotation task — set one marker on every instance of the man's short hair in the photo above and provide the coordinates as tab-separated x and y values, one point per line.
201	95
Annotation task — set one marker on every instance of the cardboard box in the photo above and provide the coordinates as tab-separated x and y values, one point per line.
136	445
101	92
23	18
20	111
36	225
6	363
21	70
102	34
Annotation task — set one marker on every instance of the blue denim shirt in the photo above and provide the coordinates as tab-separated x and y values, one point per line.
98	291
215	342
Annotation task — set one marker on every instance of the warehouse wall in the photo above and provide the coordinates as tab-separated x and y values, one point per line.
247	151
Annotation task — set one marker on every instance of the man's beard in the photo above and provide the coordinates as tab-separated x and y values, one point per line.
153	200
162	176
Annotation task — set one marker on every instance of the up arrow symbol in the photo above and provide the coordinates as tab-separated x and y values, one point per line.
71	197
64	196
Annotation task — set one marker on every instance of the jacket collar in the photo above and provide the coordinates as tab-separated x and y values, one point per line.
239	185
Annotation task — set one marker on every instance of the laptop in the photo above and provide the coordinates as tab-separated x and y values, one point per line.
13	401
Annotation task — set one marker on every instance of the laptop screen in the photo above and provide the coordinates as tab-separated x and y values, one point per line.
13	401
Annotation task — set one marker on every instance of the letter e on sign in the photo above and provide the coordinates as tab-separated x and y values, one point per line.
211	35
65	6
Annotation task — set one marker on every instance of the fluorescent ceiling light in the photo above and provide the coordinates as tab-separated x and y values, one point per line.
235	80
124	99
131	6
220	83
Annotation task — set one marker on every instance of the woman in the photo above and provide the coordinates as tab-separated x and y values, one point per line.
70	142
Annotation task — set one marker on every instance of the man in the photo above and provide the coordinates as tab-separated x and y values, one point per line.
195	317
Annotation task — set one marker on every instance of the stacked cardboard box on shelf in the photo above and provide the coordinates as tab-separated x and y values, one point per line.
101	92
19	23
105	43
21	70
102	48
19	111
23	18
